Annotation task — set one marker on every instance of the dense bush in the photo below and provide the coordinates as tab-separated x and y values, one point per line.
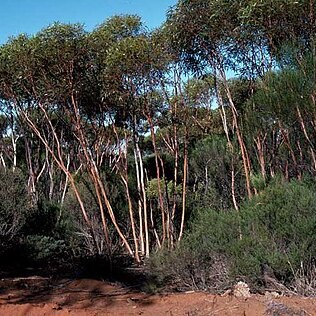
49	235
273	233
14	205
42	249
31	232
210	165
200	260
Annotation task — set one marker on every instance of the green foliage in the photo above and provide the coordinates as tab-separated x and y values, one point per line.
201	30
119	27
210	163
15	204
199	93
49	219
276	229
45	249
43	220
258	182
35	231
81	238
280	223
199	262
152	188
292	86
49	235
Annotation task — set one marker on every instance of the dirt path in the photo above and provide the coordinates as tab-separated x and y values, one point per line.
38	296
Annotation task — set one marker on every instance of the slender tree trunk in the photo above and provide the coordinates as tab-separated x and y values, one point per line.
153	225
96	179
50	167
14	144
175	148
303	127
31	179
242	147
59	161
144	197
139	202
131	215
233	188
286	138
184	184
2	160
260	155
160	197
66	182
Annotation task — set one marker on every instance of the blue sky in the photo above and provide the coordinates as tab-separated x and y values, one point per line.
30	16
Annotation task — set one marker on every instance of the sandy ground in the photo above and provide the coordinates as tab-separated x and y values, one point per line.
39	296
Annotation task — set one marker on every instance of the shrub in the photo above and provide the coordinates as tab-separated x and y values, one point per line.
200	261
86	243
275	230
45	249
14	205
280	225
48	234
43	220
29	232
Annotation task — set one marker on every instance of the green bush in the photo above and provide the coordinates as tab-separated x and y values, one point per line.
15	205
274	230
279	226
31	232
45	249
43	220
211	164
49	234
200	261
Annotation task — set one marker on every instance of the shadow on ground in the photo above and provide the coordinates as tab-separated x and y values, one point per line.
91	282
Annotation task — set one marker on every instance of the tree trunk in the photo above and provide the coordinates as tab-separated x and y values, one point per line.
184	184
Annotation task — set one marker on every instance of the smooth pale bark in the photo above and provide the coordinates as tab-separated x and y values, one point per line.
131	214
303	127
242	147
66	182
139	200
144	198
287	142
140	211
59	161
96	179
2	160
14	144
165	229
184	183
123	171
259	142
233	187
31	180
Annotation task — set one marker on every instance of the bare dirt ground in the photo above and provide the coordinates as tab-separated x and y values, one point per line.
34	296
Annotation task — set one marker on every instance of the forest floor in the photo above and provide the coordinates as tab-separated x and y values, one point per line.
37	296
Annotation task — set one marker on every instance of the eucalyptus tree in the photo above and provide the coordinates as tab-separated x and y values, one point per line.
242	38
282	115
133	73
203	32
47	73
90	93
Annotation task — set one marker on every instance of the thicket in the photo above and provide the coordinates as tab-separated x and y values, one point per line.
273	236
32	233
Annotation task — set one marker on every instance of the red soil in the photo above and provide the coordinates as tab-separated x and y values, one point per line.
37	296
